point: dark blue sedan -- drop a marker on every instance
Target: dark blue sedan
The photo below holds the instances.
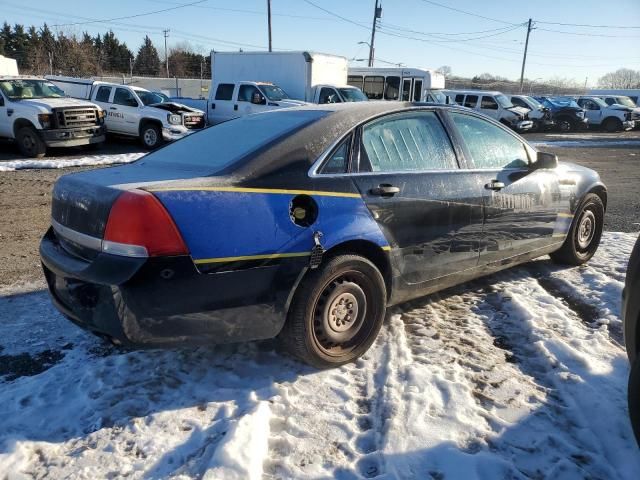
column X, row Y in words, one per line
column 306, row 224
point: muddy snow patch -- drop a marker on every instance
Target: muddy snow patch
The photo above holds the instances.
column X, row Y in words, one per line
column 86, row 161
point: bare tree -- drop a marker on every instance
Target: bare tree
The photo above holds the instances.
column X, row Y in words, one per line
column 621, row 78
column 445, row 70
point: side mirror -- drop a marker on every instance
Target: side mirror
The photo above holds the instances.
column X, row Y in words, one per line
column 545, row 160
column 258, row 99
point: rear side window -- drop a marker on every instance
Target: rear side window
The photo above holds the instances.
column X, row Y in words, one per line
column 225, row 91
column 392, row 88
column 103, row 94
column 374, row 87
column 488, row 103
column 471, row 101
column 459, row 99
column 339, row 160
column 490, row 146
column 407, row 142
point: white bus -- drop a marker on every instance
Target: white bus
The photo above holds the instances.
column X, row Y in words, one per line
column 398, row 83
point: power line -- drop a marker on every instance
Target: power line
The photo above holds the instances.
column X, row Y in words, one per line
column 130, row 16
column 447, row 40
column 586, row 25
column 582, row 34
column 466, row 13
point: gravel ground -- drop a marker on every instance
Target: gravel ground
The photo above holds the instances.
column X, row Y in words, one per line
column 25, row 195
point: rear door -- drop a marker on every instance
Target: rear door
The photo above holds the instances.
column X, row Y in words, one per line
column 221, row 108
column 409, row 178
column 521, row 203
column 102, row 98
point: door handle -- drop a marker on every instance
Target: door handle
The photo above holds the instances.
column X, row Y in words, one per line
column 112, row 108
column 494, row 185
column 213, row 106
column 384, row 190
column 235, row 107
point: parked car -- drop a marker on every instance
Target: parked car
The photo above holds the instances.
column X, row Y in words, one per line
column 566, row 113
column 625, row 102
column 612, row 118
column 632, row 93
column 36, row 115
column 134, row 111
column 309, row 227
column 631, row 320
column 539, row 114
column 495, row 105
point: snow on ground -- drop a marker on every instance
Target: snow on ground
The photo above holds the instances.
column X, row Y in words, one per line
column 88, row 160
column 518, row 375
column 585, row 143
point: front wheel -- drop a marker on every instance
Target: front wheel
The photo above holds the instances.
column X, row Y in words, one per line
column 336, row 313
column 612, row 125
column 566, row 125
column 584, row 234
column 30, row 143
column 151, row 136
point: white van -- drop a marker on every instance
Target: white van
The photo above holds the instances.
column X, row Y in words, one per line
column 395, row 83
column 495, row 105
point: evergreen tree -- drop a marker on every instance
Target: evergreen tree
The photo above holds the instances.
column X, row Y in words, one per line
column 147, row 61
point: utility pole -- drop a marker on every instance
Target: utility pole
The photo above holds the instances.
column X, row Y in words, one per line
column 130, row 67
column 50, row 63
column 377, row 13
column 269, row 21
column 524, row 58
column 166, row 55
column 586, row 79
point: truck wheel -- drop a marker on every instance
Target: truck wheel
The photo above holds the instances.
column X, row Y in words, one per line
column 634, row 398
column 336, row 313
column 566, row 125
column 151, row 136
column 612, row 125
column 584, row 234
column 30, row 143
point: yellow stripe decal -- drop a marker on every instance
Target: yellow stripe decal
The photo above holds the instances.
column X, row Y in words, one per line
column 255, row 190
column 267, row 256
column 387, row 248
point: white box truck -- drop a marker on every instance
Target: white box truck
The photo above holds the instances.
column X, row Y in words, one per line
column 36, row 115
column 251, row 82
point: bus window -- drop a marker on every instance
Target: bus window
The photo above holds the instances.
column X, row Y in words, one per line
column 374, row 87
column 406, row 90
column 355, row 81
column 392, row 88
column 417, row 90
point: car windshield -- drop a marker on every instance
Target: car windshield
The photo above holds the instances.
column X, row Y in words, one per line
column 234, row 139
column 353, row 95
column 535, row 103
column 503, row 101
column 273, row 92
column 438, row 97
column 149, row 98
column 20, row 89
column 626, row 101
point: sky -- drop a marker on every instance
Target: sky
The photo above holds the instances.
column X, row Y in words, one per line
column 470, row 36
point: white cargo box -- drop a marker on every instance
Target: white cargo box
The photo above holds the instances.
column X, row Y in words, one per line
column 8, row 66
column 73, row 87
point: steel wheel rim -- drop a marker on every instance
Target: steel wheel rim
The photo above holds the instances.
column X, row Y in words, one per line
column 586, row 229
column 28, row 142
column 341, row 297
column 150, row 137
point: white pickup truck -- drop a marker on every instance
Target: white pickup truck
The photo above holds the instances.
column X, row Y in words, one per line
column 35, row 114
column 135, row 111
column 610, row 117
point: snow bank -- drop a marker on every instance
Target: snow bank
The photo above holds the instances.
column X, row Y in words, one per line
column 89, row 160
column 585, row 143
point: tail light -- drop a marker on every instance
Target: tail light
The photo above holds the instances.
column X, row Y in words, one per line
column 139, row 226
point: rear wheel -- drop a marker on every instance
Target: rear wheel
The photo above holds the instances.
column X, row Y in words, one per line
column 30, row 143
column 584, row 234
column 612, row 125
column 151, row 136
column 336, row 313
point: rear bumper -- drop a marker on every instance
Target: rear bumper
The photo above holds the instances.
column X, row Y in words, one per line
column 71, row 137
column 166, row 301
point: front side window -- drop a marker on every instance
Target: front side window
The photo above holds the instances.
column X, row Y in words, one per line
column 124, row 97
column 488, row 103
column 374, row 87
column 417, row 90
column 328, row 95
column 471, row 101
column 225, row 91
column 518, row 102
column 355, row 81
column 103, row 94
column 392, row 88
column 407, row 142
column 489, row 145
column 246, row 92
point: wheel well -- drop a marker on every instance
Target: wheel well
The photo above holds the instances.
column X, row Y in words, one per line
column 612, row 119
column 602, row 193
column 371, row 252
column 146, row 121
column 19, row 123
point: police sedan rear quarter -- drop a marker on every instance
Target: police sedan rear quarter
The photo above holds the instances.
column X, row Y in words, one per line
column 306, row 224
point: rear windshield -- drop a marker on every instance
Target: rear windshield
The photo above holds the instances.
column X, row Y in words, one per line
column 221, row 145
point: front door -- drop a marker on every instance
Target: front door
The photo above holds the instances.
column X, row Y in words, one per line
column 125, row 110
column 592, row 110
column 250, row 100
column 409, row 178
column 5, row 119
column 521, row 203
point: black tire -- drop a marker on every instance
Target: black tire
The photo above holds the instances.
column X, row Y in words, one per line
column 566, row 124
column 151, row 136
column 319, row 329
column 93, row 147
column 30, row 143
column 634, row 398
column 584, row 234
column 612, row 125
